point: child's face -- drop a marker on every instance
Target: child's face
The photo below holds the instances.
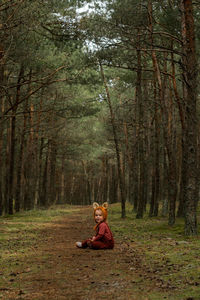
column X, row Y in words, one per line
column 98, row 216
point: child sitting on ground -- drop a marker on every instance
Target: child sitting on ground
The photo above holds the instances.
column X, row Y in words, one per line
column 103, row 238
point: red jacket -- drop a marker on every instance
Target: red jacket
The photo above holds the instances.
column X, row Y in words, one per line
column 104, row 233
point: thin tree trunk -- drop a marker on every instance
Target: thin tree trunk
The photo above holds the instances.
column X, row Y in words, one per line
column 52, row 175
column 140, row 208
column 130, row 190
column 181, row 105
column 112, row 185
column 12, row 144
column 45, row 180
column 120, row 168
column 20, row 167
column 40, row 170
column 11, row 163
column 88, row 186
column 166, row 187
column 157, row 78
column 172, row 193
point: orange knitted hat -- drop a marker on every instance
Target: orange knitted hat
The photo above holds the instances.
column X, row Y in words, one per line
column 103, row 208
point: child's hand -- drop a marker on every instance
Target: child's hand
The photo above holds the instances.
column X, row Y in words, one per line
column 93, row 238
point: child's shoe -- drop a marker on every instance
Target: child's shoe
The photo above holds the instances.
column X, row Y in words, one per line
column 79, row 244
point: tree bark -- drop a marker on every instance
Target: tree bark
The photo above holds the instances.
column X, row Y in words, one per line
column 12, row 143
column 190, row 132
column 20, row 166
column 120, row 168
column 157, row 97
column 1, row 160
column 141, row 151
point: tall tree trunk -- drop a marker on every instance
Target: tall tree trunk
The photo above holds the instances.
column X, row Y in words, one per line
column 135, row 169
column 166, row 187
column 30, row 165
column 157, row 97
column 166, row 115
column 190, row 132
column 37, row 152
column 120, row 168
column 181, row 109
column 6, row 183
column 172, row 180
column 181, row 208
column 154, row 204
column 2, row 107
column 141, row 202
column 20, row 166
column 129, row 155
column 12, row 144
column 1, row 160
column 11, row 162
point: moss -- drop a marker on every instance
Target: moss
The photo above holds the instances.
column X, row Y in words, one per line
column 166, row 251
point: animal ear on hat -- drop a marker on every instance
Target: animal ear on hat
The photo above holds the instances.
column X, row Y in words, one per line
column 105, row 205
column 95, row 205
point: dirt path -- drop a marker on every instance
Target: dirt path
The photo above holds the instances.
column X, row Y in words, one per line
column 56, row 269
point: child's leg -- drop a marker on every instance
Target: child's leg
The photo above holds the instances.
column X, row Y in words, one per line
column 101, row 245
column 85, row 243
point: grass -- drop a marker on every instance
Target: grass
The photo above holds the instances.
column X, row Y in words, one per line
column 19, row 236
column 23, row 228
column 173, row 257
column 165, row 251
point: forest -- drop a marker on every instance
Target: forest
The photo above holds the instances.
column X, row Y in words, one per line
column 100, row 102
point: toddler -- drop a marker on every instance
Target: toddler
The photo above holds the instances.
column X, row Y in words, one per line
column 103, row 238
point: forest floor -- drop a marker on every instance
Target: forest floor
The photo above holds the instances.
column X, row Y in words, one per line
column 39, row 261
